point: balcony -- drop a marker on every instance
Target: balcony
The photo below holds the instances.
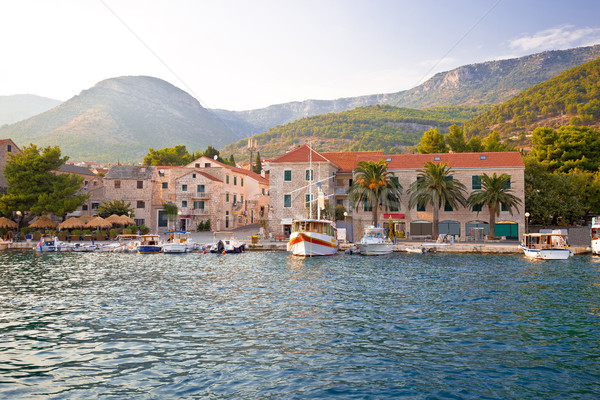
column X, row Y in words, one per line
column 201, row 195
column 341, row 191
column 199, row 211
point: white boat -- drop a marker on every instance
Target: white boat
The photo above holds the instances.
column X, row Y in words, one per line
column 47, row 244
column 149, row 244
column 226, row 242
column 313, row 237
column 179, row 242
column 546, row 246
column 374, row 242
column 595, row 235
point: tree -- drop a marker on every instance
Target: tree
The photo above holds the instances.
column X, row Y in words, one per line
column 34, row 186
column 435, row 185
column 177, row 155
column 456, row 139
column 374, row 185
column 117, row 207
column 494, row 194
column 257, row 168
column 474, row 144
column 171, row 211
column 432, row 142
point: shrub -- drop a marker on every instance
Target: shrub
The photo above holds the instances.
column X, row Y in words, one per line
column 114, row 233
column 143, row 229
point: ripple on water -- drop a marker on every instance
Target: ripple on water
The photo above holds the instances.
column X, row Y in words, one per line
column 266, row 325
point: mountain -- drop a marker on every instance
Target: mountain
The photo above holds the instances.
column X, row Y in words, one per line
column 572, row 97
column 377, row 127
column 120, row 118
column 21, row 106
column 490, row 82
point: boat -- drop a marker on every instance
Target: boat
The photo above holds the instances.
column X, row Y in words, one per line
column 546, row 246
column 313, row 237
column 47, row 244
column 226, row 242
column 179, row 242
column 374, row 242
column 149, row 244
column 596, row 235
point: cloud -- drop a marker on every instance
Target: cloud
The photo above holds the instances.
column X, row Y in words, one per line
column 562, row 37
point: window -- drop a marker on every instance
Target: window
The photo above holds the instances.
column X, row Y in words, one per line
column 309, row 175
column 241, row 198
column 140, row 204
column 200, row 188
column 95, row 205
column 234, row 198
column 226, row 197
column 367, row 206
column 421, row 207
column 287, row 175
column 242, row 182
column 478, row 207
column 263, row 191
column 197, row 165
column 183, row 203
column 235, row 180
column 207, row 165
column 504, row 208
column 476, row 182
column 395, row 181
column 227, row 179
column 198, row 205
column 307, row 198
column 184, row 188
column 117, row 184
column 436, row 158
column 140, row 184
column 193, row 176
column 395, row 206
column 287, row 200
column 507, row 186
column 165, row 185
column 84, row 207
column 448, row 207
column 139, row 221
column 482, row 157
column 9, row 148
column 163, row 221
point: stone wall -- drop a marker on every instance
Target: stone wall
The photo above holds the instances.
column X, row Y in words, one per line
column 578, row 235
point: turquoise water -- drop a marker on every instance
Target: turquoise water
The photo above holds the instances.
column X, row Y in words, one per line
column 265, row 326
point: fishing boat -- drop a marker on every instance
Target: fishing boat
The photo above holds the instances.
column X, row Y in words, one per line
column 179, row 242
column 374, row 242
column 149, row 244
column 313, row 237
column 47, row 244
column 596, row 235
column 546, row 246
column 226, row 242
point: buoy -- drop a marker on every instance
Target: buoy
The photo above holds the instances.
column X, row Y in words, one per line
column 223, row 252
column 204, row 252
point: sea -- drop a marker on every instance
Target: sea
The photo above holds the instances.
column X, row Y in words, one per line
column 266, row 325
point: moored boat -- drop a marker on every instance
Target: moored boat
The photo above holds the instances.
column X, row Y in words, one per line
column 546, row 246
column 226, row 242
column 179, row 242
column 374, row 242
column 149, row 244
column 596, row 235
column 313, row 237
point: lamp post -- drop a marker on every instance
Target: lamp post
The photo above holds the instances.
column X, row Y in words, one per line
column 346, row 224
column 527, row 222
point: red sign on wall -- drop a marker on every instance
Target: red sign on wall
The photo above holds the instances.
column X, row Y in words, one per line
column 393, row 216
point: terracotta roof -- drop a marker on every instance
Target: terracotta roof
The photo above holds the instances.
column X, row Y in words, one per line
column 347, row 160
column 253, row 175
column 301, row 154
column 505, row 159
column 130, row 172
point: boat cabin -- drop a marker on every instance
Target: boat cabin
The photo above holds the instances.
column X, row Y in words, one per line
column 544, row 240
column 149, row 240
column 317, row 226
column 371, row 232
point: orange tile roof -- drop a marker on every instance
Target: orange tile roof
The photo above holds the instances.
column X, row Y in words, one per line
column 301, row 154
column 347, row 160
column 253, row 175
column 506, row 159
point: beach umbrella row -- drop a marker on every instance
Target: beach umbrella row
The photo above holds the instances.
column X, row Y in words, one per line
column 96, row 222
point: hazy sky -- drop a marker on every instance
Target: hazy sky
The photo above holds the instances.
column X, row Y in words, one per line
column 246, row 54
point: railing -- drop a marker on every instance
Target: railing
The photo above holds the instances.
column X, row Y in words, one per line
column 201, row 195
column 341, row 190
column 199, row 211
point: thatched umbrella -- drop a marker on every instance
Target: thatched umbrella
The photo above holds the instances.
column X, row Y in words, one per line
column 115, row 220
column 99, row 223
column 7, row 223
column 86, row 218
column 72, row 223
column 43, row 222
column 126, row 220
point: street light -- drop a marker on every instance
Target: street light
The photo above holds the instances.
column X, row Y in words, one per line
column 527, row 222
column 346, row 224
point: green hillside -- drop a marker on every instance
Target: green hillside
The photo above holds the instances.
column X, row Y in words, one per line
column 377, row 127
column 573, row 97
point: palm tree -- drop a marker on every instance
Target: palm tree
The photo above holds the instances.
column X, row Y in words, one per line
column 435, row 186
column 494, row 193
column 374, row 185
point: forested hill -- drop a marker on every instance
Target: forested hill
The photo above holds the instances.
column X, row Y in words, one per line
column 572, row 97
column 489, row 82
column 377, row 127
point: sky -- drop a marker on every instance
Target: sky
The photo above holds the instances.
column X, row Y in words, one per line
column 242, row 54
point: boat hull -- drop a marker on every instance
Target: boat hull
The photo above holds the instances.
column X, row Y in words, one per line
column 149, row 249
column 174, row 248
column 375, row 249
column 596, row 246
column 548, row 254
column 309, row 244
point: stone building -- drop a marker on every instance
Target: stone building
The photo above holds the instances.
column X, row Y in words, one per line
column 290, row 188
column 7, row 147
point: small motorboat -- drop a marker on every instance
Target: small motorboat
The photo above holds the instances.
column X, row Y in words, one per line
column 226, row 242
column 374, row 242
column 149, row 244
column 179, row 242
column 546, row 246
